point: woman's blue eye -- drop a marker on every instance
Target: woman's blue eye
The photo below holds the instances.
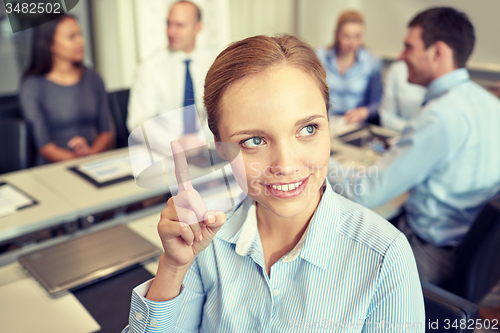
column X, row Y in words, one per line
column 253, row 142
column 308, row 130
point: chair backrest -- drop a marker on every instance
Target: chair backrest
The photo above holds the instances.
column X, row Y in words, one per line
column 8, row 99
column 478, row 257
column 15, row 148
column 10, row 107
column 119, row 104
column 449, row 310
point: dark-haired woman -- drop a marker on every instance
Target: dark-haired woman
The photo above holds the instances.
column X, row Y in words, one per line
column 64, row 101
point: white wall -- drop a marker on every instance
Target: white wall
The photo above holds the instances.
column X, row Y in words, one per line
column 115, row 42
column 266, row 17
column 386, row 24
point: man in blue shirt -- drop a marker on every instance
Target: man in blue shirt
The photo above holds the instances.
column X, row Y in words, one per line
column 447, row 157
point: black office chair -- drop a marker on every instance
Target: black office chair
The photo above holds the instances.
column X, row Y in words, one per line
column 119, row 104
column 449, row 310
column 10, row 107
column 478, row 257
column 8, row 99
column 15, row 149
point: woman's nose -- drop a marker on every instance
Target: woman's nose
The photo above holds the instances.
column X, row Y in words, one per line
column 283, row 161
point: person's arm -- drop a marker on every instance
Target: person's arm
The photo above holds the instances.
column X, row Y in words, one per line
column 101, row 143
column 398, row 303
column 53, row 153
column 388, row 111
column 371, row 101
column 374, row 90
column 182, row 312
column 421, row 148
column 186, row 228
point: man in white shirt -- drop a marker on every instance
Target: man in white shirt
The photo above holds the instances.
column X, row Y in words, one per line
column 401, row 99
column 173, row 78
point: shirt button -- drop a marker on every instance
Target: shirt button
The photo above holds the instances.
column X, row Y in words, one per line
column 153, row 323
column 276, row 292
column 138, row 316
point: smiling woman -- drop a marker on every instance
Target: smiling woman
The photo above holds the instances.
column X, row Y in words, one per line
column 293, row 251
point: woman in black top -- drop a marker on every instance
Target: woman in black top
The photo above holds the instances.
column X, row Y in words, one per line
column 65, row 102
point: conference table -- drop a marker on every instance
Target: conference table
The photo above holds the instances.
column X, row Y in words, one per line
column 49, row 209
column 82, row 194
column 65, row 197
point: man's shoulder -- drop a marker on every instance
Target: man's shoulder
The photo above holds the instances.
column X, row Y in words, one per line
column 207, row 53
column 473, row 92
column 463, row 98
column 158, row 58
column 362, row 225
column 397, row 68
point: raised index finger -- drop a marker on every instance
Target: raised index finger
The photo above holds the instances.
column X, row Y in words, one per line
column 181, row 167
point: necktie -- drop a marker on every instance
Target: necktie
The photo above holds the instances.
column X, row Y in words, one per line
column 189, row 112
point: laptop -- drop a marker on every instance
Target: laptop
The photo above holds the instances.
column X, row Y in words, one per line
column 88, row 259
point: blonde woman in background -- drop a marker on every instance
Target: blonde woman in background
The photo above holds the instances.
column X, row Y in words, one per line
column 353, row 73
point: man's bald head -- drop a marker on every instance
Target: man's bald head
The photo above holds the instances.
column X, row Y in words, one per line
column 193, row 6
column 183, row 25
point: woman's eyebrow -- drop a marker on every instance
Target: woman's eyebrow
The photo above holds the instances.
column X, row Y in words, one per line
column 308, row 119
column 260, row 132
column 248, row 132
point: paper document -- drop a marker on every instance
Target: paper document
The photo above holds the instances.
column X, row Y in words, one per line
column 107, row 169
column 26, row 308
column 12, row 199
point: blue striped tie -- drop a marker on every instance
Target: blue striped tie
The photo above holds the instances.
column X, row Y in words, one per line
column 189, row 112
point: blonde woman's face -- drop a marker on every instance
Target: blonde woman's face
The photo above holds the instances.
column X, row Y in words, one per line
column 350, row 37
column 279, row 120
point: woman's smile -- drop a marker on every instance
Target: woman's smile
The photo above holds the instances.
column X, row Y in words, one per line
column 287, row 190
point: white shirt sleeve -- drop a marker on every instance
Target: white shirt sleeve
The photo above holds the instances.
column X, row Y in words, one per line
column 143, row 104
column 389, row 115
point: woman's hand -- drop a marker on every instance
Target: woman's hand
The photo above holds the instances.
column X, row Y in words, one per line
column 186, row 227
column 80, row 146
column 357, row 115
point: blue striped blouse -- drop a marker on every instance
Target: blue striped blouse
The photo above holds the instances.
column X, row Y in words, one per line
column 360, row 85
column 351, row 271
